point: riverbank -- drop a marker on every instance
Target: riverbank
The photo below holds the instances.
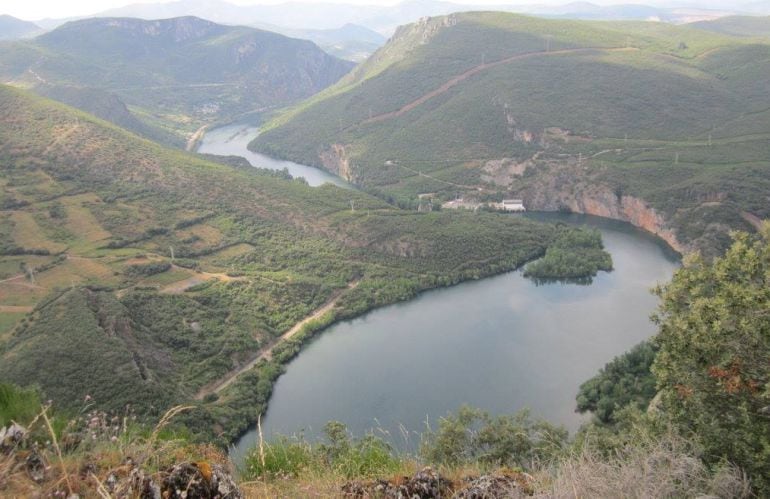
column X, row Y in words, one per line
column 441, row 347
column 227, row 141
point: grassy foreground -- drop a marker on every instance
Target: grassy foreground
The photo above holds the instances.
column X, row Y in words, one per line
column 95, row 454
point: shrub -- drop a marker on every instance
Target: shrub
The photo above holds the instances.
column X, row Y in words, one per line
column 473, row 436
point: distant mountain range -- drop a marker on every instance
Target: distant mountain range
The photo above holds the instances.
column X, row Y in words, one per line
column 174, row 74
column 385, row 19
column 12, row 28
column 351, row 41
column 354, row 32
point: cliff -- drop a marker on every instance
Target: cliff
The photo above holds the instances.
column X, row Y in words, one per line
column 570, row 188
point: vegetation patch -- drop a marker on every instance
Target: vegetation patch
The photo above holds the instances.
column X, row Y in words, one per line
column 574, row 254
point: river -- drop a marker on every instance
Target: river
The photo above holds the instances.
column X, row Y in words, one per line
column 501, row 344
column 234, row 139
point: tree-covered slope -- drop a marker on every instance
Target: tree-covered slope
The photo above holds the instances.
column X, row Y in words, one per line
column 182, row 72
column 657, row 124
column 135, row 272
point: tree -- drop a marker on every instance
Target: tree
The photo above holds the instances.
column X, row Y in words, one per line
column 713, row 364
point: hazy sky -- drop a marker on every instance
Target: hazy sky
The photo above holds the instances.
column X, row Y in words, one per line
column 39, row 9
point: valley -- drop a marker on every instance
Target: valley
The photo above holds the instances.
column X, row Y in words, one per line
column 164, row 79
column 545, row 115
column 418, row 250
column 195, row 274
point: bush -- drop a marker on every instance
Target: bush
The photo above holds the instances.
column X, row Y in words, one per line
column 712, row 367
column 147, row 269
column 17, row 404
column 473, row 436
column 625, row 380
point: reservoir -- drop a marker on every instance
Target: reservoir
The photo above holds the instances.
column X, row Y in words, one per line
column 502, row 344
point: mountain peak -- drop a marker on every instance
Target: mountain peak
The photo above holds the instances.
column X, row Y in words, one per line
column 178, row 29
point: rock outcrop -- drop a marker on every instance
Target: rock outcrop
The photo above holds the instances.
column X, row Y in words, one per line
column 563, row 188
column 335, row 159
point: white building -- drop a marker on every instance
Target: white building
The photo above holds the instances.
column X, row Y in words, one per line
column 513, row 205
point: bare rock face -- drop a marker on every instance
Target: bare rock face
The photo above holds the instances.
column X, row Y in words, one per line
column 11, row 437
column 495, row 485
column 335, row 159
column 425, row 484
column 502, row 172
column 203, row 480
column 565, row 188
column 428, row 484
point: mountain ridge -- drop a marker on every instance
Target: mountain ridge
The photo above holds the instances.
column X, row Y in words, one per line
column 199, row 71
column 543, row 112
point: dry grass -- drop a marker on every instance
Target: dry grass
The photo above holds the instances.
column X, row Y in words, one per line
column 81, row 221
column 208, row 235
column 28, row 234
column 232, row 251
column 657, row 468
column 75, row 271
column 21, row 292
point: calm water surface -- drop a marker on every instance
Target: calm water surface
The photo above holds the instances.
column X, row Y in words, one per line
column 233, row 139
column 501, row 344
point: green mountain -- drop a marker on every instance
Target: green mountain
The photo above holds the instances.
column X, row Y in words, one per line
column 660, row 125
column 742, row 26
column 12, row 28
column 138, row 274
column 177, row 73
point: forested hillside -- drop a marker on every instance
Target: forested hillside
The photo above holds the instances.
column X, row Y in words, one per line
column 137, row 274
column 660, row 125
column 177, row 73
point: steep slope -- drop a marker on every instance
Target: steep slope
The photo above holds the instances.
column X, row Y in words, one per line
column 138, row 273
column 660, row 125
column 12, row 28
column 109, row 107
column 181, row 72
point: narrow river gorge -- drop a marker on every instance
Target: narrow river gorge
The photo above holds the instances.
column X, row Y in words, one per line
column 502, row 344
